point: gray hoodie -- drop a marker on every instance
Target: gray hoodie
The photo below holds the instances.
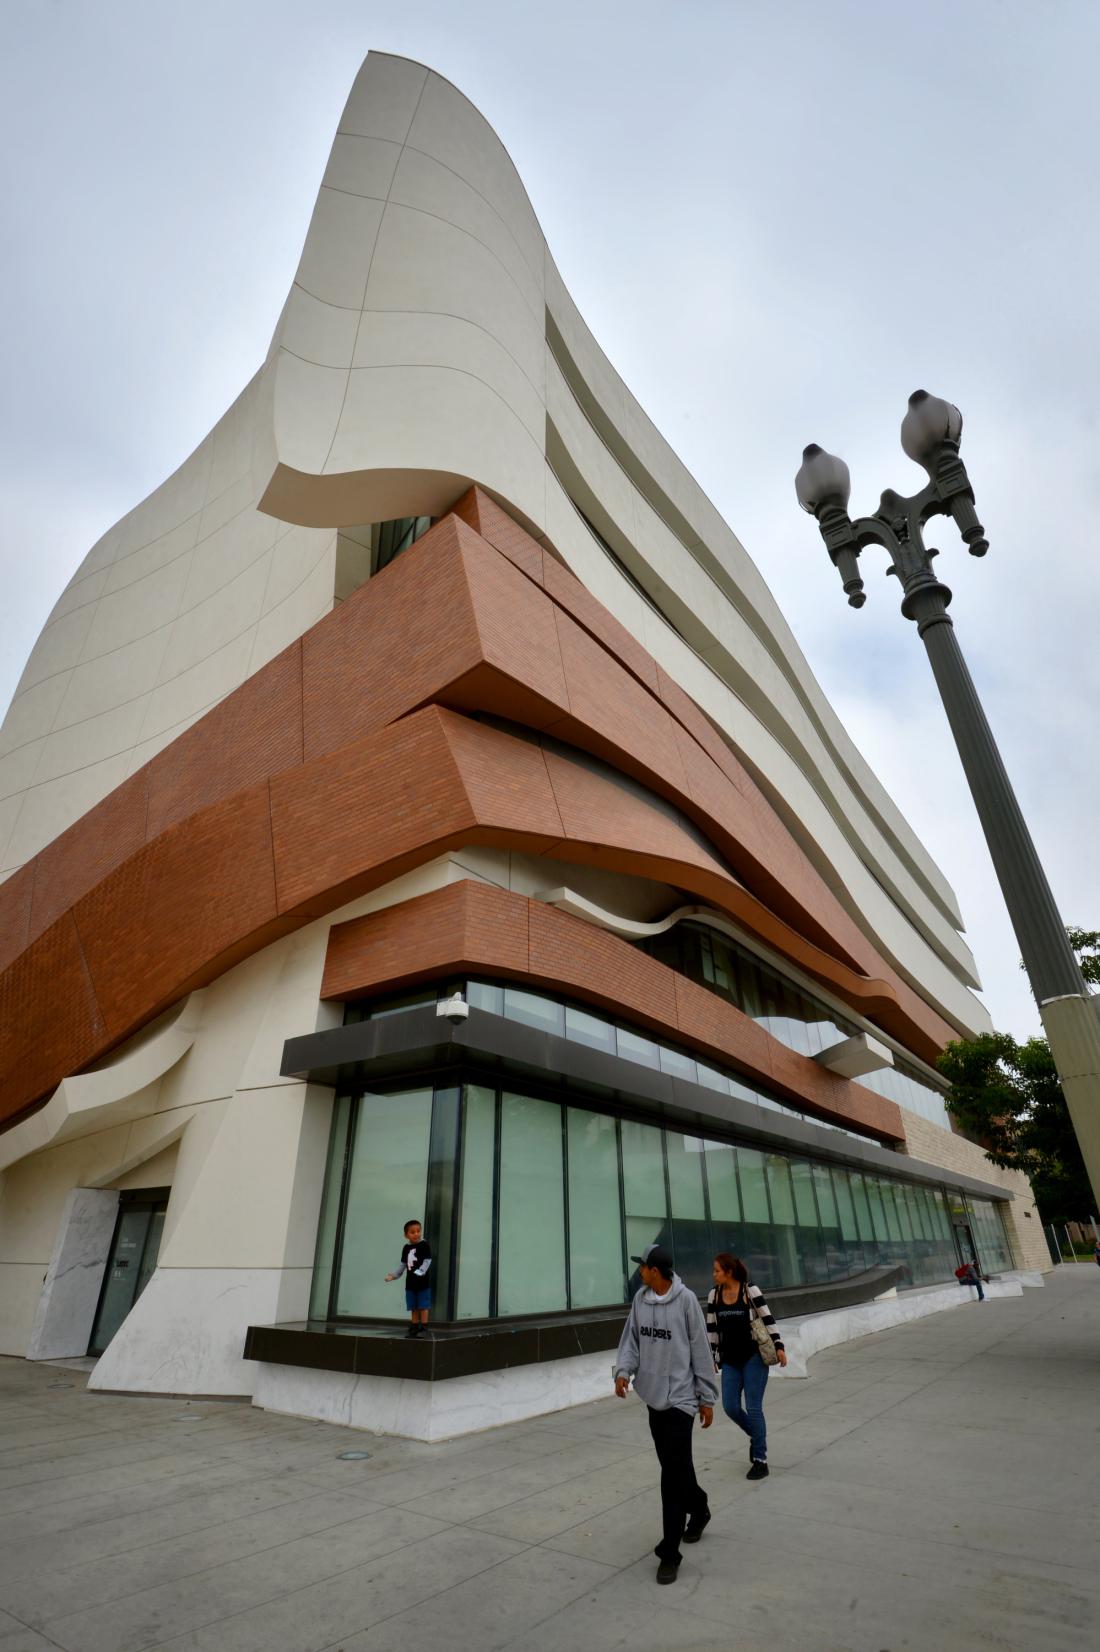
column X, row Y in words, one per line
column 664, row 1347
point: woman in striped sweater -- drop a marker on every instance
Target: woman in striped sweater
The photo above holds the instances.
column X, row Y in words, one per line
column 736, row 1355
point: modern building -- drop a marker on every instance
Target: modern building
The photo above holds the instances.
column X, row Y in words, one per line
column 432, row 675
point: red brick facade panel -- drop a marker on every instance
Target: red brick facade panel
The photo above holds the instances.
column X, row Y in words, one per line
column 486, row 517
column 172, row 910
column 476, row 927
column 16, row 894
column 391, row 646
column 319, row 778
column 253, row 733
column 91, row 848
column 49, row 1019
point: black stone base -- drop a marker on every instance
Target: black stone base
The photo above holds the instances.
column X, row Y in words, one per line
column 385, row 1350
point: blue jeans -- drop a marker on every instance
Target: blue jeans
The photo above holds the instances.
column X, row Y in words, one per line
column 977, row 1284
column 752, row 1379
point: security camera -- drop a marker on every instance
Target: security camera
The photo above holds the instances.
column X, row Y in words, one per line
column 455, row 1009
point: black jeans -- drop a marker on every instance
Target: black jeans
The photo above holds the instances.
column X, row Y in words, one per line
column 681, row 1493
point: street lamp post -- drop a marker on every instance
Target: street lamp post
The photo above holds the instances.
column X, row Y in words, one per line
column 930, row 435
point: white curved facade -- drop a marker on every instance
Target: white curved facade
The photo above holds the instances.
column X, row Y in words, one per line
column 428, row 342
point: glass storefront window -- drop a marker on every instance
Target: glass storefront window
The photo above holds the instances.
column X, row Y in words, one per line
column 534, row 1205
column 725, row 1196
column 685, row 1176
column 534, row 1010
column 677, row 1064
column 531, row 1246
column 754, row 1192
column 474, row 1264
column 329, row 1225
column 643, row 1187
column 596, row 1261
column 386, row 1184
column 592, row 1030
column 633, row 1047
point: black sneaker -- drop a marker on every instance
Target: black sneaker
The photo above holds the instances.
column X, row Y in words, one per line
column 696, row 1525
column 413, row 1331
column 758, row 1471
column 667, row 1571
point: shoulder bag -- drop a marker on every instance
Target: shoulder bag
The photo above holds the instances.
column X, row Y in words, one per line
column 760, row 1334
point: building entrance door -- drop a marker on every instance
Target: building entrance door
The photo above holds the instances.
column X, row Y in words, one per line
column 130, row 1263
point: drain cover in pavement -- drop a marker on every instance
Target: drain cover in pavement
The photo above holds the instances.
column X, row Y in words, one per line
column 351, row 1456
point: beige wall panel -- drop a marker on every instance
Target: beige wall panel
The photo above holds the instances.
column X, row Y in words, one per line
column 98, row 686
column 128, row 615
column 78, row 593
column 189, row 693
column 396, row 414
column 425, row 264
column 58, row 648
column 250, row 1142
column 339, row 247
column 205, row 629
column 50, row 809
column 362, row 166
column 384, row 97
column 10, row 810
column 310, row 600
column 308, row 403
column 298, row 551
column 448, row 127
column 160, row 553
column 393, row 339
column 224, row 554
column 20, row 1289
column 18, row 767
column 92, row 740
column 32, row 713
column 433, row 187
column 155, row 1172
column 321, row 333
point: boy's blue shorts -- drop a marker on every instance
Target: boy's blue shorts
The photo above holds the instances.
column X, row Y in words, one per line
column 418, row 1299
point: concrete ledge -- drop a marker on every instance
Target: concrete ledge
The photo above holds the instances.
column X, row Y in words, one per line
column 433, row 1410
column 810, row 1335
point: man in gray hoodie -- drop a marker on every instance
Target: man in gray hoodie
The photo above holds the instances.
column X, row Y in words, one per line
column 664, row 1347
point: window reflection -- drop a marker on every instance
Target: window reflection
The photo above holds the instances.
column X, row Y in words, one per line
column 535, row 1205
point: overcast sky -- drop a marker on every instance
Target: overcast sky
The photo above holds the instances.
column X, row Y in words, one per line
column 778, row 221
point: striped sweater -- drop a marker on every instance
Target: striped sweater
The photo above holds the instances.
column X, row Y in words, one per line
column 762, row 1309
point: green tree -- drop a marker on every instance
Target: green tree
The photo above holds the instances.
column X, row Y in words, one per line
column 1086, row 944
column 1007, row 1097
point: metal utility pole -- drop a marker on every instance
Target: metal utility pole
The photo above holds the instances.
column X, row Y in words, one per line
column 930, row 434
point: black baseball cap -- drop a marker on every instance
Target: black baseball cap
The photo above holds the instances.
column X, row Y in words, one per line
column 656, row 1256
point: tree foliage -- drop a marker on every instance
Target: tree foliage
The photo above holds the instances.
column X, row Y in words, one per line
column 1086, row 944
column 1007, row 1097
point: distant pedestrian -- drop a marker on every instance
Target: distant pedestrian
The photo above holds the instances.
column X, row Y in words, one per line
column 969, row 1274
column 416, row 1259
column 730, row 1309
column 1096, row 1251
column 664, row 1348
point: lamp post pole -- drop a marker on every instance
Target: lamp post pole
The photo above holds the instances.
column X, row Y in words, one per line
column 930, row 434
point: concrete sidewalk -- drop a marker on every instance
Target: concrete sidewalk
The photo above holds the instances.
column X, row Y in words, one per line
column 932, row 1487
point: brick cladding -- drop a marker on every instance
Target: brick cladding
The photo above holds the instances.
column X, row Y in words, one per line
column 475, row 926
column 925, row 1140
column 320, row 777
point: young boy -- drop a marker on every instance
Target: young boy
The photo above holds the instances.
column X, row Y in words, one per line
column 416, row 1259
